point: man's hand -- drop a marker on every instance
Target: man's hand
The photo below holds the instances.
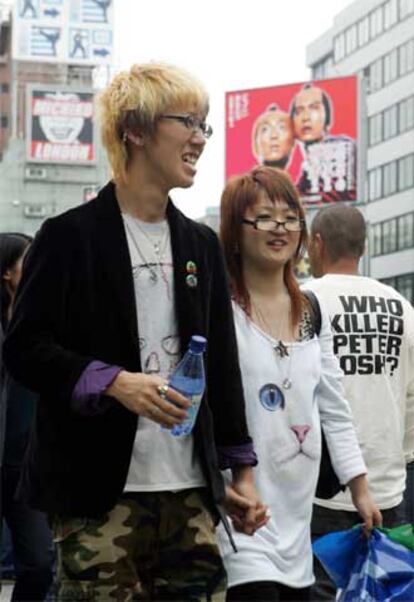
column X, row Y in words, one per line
column 363, row 502
column 243, row 504
column 140, row 394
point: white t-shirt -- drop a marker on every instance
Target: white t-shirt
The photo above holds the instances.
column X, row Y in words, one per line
column 373, row 329
column 159, row 462
column 285, row 427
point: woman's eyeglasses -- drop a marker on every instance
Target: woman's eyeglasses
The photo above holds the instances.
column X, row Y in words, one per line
column 293, row 224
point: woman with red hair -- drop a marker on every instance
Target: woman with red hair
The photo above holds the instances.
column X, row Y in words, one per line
column 292, row 385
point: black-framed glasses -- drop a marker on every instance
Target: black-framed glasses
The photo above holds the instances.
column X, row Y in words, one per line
column 265, row 224
column 193, row 123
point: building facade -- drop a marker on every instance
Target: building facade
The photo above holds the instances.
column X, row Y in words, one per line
column 374, row 39
column 34, row 187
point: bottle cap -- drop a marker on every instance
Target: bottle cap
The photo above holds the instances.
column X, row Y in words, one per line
column 198, row 344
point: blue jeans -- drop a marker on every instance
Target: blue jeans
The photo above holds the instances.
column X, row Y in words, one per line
column 32, row 542
column 325, row 521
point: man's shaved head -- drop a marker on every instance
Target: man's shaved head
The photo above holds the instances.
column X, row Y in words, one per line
column 342, row 229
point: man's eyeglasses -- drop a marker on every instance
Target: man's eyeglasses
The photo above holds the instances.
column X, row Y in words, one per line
column 192, row 123
column 293, row 224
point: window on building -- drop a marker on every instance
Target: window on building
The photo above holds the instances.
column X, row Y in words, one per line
column 406, row 8
column 363, row 31
column 390, row 13
column 391, row 66
column 390, row 282
column 351, row 39
column 390, row 178
column 322, row 68
column 406, row 231
column 4, row 87
column 405, row 286
column 406, row 114
column 375, row 76
column 375, row 129
column 375, row 184
column 406, row 172
column 4, row 121
column 339, row 47
column 389, row 236
column 390, row 122
column 406, row 58
column 376, row 239
column 376, row 22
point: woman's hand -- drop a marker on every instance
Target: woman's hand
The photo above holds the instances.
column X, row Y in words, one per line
column 140, row 393
column 364, row 503
column 246, row 510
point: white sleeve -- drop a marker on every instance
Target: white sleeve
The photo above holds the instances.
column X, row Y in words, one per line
column 335, row 412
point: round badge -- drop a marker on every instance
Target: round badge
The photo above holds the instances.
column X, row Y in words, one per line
column 191, row 267
column 271, row 397
column 191, row 281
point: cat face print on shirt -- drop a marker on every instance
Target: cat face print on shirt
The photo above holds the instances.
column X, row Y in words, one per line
column 291, row 426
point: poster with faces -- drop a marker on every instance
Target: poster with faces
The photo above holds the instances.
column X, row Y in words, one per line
column 67, row 31
column 308, row 129
column 60, row 127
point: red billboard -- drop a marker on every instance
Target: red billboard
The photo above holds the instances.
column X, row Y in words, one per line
column 60, row 126
column 309, row 129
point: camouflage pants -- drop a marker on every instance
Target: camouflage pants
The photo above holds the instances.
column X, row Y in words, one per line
column 150, row 546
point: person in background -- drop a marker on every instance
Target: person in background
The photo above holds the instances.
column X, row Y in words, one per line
column 373, row 332
column 113, row 291
column 30, row 533
column 272, row 138
column 292, row 385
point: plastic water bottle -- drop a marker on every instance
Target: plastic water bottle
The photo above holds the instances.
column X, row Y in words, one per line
column 189, row 379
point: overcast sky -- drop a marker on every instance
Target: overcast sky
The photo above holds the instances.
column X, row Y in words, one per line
column 229, row 45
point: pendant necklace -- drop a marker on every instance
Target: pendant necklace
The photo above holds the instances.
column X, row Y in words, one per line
column 281, row 349
column 159, row 247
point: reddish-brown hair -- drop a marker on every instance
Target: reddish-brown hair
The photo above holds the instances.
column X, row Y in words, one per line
column 241, row 193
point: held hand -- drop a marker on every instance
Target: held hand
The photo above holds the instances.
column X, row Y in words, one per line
column 364, row 503
column 243, row 504
column 140, row 394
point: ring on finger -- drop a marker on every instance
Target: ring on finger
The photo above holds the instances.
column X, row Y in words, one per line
column 162, row 390
column 154, row 411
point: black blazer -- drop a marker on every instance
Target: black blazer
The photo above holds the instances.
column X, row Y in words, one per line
column 75, row 304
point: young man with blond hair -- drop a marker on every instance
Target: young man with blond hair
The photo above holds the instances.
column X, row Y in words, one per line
column 113, row 291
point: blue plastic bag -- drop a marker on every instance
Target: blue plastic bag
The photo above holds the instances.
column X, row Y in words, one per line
column 374, row 570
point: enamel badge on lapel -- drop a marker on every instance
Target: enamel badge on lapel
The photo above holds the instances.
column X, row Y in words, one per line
column 191, row 278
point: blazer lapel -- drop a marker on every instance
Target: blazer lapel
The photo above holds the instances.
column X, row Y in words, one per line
column 187, row 298
column 115, row 255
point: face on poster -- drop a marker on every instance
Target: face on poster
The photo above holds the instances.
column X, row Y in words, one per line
column 60, row 126
column 308, row 129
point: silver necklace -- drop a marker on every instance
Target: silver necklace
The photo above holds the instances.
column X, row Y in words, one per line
column 159, row 247
column 281, row 349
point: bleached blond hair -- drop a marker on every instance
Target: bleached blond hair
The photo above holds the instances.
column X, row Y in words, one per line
column 134, row 100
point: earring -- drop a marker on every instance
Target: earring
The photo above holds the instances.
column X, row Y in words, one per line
column 124, row 137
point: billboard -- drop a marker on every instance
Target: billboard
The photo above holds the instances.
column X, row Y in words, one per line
column 60, row 125
column 308, row 129
column 63, row 31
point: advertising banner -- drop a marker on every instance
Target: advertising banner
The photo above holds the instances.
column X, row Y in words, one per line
column 308, row 129
column 65, row 31
column 60, row 127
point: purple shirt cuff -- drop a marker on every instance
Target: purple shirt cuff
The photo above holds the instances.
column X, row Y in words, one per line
column 237, row 455
column 87, row 396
